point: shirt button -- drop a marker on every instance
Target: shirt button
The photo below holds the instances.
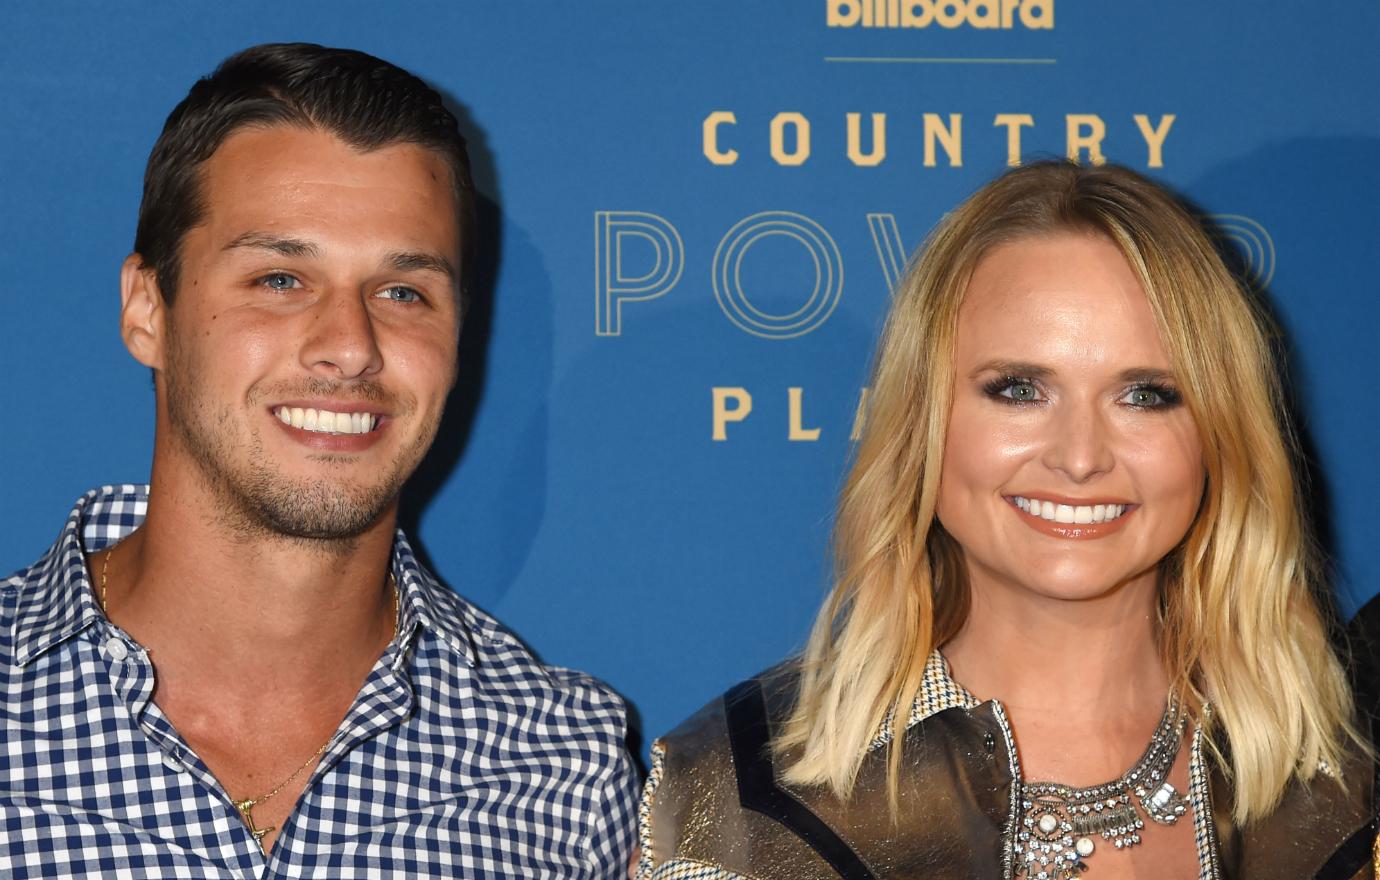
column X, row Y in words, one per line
column 116, row 650
column 989, row 742
column 173, row 764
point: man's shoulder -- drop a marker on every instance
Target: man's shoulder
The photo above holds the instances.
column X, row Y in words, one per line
column 10, row 589
column 14, row 583
column 508, row 673
column 15, row 580
column 27, row 603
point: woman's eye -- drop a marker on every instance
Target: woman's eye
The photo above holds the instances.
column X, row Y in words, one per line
column 1012, row 389
column 1022, row 391
column 1151, row 397
column 279, row 281
column 400, row 294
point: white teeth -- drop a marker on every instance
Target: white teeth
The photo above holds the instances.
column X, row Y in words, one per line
column 324, row 421
column 1069, row 513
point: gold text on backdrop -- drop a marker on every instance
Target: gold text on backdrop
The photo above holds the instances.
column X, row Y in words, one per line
column 790, row 143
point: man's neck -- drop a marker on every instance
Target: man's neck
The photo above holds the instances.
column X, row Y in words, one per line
column 248, row 613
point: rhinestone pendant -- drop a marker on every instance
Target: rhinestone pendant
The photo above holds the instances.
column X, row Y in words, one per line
column 1165, row 805
column 1059, row 824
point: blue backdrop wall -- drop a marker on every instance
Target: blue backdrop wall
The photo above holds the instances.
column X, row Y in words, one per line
column 683, row 197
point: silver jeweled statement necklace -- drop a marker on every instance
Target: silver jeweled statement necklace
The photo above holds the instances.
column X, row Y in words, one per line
column 1058, row 822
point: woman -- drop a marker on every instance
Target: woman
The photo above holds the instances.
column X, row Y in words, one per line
column 1074, row 626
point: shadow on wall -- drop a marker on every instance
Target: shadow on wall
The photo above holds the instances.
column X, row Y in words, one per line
column 463, row 403
column 1325, row 316
column 1328, row 309
column 490, row 451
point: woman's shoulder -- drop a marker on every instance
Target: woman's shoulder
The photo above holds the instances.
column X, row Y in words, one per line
column 702, row 746
column 716, row 808
column 703, row 738
column 1322, row 827
column 692, row 822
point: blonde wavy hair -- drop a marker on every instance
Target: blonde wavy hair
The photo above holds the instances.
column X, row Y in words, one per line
column 1240, row 620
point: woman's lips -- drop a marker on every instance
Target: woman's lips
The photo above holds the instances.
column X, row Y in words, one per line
column 1113, row 517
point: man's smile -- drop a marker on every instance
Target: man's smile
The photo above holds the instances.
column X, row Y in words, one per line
column 327, row 421
column 332, row 425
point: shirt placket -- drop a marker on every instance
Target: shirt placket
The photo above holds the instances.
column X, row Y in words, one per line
column 383, row 702
column 132, row 676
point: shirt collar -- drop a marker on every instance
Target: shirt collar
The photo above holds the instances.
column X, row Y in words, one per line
column 938, row 692
column 425, row 602
column 56, row 600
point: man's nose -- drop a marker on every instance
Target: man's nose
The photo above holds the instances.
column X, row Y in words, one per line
column 341, row 341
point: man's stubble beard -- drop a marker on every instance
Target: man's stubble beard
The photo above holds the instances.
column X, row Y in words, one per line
column 256, row 499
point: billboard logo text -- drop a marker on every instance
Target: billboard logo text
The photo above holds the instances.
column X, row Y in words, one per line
column 1036, row 15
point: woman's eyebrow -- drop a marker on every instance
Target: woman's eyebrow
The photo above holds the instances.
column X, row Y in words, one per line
column 1029, row 370
column 1014, row 368
column 1146, row 374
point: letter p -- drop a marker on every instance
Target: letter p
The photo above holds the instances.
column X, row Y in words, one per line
column 723, row 414
column 617, row 235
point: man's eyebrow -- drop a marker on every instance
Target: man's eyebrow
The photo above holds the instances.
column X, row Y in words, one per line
column 415, row 261
column 287, row 247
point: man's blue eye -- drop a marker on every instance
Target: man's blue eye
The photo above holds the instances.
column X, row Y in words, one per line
column 400, row 294
column 279, row 281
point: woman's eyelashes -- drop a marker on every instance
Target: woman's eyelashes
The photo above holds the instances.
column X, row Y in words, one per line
column 1152, row 395
column 1014, row 390
column 1026, row 391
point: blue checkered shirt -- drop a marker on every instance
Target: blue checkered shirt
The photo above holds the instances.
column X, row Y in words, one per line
column 462, row 756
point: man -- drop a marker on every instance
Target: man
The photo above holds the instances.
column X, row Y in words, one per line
column 242, row 671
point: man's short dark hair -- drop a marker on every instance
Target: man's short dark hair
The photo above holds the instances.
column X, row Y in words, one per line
column 365, row 101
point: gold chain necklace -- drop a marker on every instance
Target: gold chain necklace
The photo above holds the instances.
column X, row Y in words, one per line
column 246, row 806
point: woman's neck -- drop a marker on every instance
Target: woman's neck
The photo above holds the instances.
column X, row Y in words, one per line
column 1082, row 681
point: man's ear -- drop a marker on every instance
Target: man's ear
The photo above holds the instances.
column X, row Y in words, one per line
column 142, row 312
